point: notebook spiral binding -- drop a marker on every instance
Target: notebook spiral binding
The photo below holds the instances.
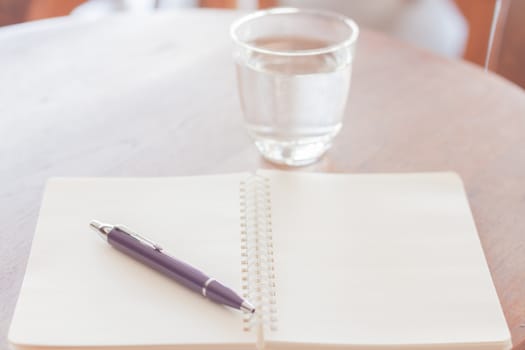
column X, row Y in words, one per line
column 257, row 265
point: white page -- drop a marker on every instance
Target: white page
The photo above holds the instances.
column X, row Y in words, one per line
column 79, row 291
column 380, row 260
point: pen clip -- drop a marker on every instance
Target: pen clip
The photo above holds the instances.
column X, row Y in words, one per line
column 140, row 238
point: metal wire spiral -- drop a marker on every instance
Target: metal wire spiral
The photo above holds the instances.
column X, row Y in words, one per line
column 258, row 273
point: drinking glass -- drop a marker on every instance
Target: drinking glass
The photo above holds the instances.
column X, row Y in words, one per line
column 293, row 70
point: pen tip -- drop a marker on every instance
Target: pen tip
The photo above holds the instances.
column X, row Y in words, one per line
column 247, row 307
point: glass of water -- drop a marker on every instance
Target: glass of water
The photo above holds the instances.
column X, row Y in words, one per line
column 293, row 71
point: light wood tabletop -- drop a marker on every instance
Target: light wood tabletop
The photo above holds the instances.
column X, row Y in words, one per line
column 155, row 95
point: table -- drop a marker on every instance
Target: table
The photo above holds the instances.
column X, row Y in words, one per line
column 155, row 95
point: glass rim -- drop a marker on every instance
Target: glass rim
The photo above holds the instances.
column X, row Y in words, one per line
column 292, row 10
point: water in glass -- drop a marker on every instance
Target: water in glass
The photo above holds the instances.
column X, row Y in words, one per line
column 293, row 105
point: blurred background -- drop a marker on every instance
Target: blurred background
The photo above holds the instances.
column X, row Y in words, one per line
column 469, row 29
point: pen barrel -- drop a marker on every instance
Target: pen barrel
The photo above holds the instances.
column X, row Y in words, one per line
column 221, row 294
column 178, row 270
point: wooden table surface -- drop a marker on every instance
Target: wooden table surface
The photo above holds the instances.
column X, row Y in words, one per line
column 155, row 95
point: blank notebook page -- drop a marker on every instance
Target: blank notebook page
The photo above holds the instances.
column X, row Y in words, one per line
column 80, row 291
column 380, row 260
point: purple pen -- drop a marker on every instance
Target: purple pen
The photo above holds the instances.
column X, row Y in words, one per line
column 152, row 255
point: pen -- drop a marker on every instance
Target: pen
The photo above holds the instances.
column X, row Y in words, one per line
column 152, row 255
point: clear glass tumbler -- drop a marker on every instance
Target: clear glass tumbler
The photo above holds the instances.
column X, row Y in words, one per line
column 293, row 71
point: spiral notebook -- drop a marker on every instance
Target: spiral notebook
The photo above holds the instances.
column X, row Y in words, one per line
column 361, row 261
